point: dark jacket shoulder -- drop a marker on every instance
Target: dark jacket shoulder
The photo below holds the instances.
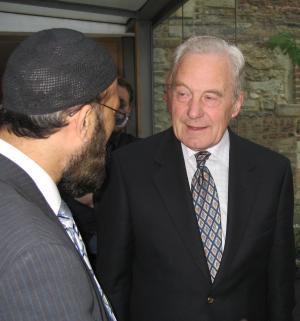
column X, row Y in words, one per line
column 253, row 151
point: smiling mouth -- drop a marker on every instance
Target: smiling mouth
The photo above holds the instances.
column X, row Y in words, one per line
column 196, row 128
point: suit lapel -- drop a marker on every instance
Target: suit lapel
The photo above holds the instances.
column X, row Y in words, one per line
column 173, row 186
column 241, row 192
column 15, row 176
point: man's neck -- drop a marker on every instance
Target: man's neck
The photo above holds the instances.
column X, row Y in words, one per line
column 39, row 150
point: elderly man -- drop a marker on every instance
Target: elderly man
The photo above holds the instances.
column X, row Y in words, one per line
column 54, row 124
column 197, row 221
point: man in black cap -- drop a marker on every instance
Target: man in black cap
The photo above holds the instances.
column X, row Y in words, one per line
column 59, row 103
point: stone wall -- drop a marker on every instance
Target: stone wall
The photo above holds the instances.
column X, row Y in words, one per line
column 270, row 115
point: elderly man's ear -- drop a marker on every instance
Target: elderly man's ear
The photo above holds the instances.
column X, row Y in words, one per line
column 238, row 105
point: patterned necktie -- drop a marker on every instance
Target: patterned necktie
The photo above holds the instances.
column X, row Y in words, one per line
column 207, row 208
column 65, row 217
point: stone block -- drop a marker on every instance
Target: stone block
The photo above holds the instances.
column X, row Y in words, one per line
column 251, row 105
column 271, row 85
column 288, row 110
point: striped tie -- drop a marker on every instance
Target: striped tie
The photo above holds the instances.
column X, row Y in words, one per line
column 65, row 217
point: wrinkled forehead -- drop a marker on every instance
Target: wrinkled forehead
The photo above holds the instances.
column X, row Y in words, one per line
column 203, row 68
column 219, row 60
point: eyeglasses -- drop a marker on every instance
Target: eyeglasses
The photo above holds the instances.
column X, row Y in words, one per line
column 121, row 117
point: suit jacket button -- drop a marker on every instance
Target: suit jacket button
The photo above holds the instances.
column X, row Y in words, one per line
column 210, row 300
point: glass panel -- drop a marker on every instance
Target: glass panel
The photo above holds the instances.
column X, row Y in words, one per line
column 166, row 37
column 270, row 115
column 271, row 111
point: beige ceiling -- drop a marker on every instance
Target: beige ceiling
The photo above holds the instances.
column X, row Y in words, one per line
column 106, row 11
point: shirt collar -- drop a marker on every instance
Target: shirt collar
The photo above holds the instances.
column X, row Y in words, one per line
column 41, row 178
column 219, row 152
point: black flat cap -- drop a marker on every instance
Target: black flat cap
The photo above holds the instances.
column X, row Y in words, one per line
column 53, row 70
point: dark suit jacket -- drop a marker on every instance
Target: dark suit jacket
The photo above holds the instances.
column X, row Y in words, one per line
column 42, row 276
column 152, row 263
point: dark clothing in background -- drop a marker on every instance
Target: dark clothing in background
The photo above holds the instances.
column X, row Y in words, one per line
column 116, row 141
column 84, row 217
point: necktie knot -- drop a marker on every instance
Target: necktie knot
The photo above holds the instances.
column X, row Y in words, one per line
column 201, row 158
column 64, row 211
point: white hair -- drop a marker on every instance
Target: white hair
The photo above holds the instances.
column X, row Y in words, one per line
column 213, row 45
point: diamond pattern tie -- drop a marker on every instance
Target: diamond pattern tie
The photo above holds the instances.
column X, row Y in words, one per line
column 65, row 217
column 207, row 208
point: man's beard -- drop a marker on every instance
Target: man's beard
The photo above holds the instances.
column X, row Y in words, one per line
column 85, row 172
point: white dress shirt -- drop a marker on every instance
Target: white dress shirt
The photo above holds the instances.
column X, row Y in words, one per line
column 218, row 165
column 41, row 178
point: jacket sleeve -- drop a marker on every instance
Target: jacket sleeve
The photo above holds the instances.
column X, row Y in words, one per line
column 115, row 243
column 281, row 298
